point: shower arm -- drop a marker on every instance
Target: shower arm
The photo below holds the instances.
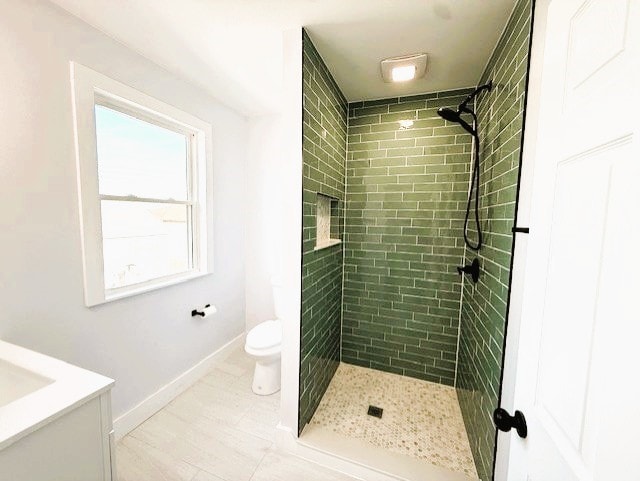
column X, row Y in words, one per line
column 463, row 106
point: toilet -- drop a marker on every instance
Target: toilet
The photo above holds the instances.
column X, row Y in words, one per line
column 264, row 345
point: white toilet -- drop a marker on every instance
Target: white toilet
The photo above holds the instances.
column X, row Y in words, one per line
column 264, row 345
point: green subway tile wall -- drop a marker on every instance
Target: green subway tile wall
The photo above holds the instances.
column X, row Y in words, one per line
column 484, row 305
column 324, row 154
column 405, row 200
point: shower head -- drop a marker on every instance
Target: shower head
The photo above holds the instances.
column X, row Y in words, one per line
column 449, row 114
column 454, row 116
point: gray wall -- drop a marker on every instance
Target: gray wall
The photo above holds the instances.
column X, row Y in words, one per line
column 143, row 342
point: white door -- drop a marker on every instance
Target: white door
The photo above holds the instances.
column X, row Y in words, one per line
column 578, row 361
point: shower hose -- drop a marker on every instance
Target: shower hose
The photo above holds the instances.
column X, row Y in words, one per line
column 475, row 187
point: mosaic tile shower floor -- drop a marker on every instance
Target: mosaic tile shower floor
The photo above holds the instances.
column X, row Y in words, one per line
column 420, row 419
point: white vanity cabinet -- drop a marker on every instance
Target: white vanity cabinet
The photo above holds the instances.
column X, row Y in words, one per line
column 55, row 420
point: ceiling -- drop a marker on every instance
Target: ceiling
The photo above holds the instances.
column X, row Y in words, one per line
column 233, row 48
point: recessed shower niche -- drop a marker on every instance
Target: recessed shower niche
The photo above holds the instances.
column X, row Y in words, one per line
column 327, row 219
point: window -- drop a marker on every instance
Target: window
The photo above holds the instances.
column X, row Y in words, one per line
column 142, row 169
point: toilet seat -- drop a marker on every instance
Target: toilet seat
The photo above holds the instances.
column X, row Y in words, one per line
column 265, row 335
column 265, row 338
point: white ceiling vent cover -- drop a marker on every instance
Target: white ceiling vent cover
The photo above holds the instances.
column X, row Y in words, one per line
column 405, row 68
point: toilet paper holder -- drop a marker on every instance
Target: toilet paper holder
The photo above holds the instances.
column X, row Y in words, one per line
column 196, row 312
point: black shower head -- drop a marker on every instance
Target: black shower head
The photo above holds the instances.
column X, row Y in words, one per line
column 454, row 116
column 449, row 114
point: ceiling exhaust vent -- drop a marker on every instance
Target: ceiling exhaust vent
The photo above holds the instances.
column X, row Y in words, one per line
column 405, row 68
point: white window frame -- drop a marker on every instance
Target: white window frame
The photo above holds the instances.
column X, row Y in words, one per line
column 90, row 88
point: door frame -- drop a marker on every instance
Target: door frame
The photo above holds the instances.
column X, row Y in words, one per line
column 519, row 251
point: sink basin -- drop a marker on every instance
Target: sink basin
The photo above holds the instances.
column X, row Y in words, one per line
column 17, row 382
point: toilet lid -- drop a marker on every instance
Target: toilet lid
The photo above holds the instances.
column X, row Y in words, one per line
column 265, row 335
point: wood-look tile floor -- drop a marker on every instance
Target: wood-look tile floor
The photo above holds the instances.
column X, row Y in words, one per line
column 216, row 430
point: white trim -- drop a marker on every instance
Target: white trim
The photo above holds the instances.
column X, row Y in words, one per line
column 151, row 285
column 328, row 243
column 135, row 198
column 137, row 105
column 128, row 421
column 531, row 128
column 90, row 88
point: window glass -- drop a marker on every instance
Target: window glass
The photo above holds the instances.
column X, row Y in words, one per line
column 144, row 241
column 139, row 158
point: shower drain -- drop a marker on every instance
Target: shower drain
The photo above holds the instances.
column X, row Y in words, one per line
column 375, row 411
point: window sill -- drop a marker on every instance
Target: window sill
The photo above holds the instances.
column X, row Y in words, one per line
column 329, row 243
column 136, row 289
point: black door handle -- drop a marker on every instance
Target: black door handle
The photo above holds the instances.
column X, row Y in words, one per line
column 473, row 270
column 505, row 422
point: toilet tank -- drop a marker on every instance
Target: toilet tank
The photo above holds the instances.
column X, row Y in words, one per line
column 278, row 296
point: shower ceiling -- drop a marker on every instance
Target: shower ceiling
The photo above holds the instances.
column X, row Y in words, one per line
column 233, row 48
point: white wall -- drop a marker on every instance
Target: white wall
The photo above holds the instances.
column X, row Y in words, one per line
column 291, row 214
column 274, row 222
column 142, row 342
column 520, row 253
column 264, row 235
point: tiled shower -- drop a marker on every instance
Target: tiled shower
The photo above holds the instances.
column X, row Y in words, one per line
column 406, row 194
column 389, row 297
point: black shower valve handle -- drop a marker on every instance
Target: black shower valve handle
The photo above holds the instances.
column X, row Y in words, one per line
column 473, row 270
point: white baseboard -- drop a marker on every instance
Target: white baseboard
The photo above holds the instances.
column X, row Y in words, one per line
column 163, row 396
